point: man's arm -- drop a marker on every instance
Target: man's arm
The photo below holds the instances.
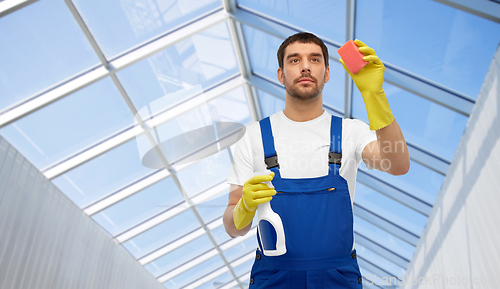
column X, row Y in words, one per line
column 235, row 194
column 389, row 153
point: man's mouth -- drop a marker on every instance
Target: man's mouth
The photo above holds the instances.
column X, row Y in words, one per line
column 306, row 80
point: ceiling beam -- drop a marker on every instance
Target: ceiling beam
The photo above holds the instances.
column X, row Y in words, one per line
column 243, row 59
column 179, row 242
column 9, row 6
column 381, row 250
column 349, row 34
column 488, row 9
column 373, row 268
column 171, row 212
column 204, row 257
column 394, row 193
column 385, row 225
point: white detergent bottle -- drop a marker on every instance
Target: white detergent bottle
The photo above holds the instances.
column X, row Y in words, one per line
column 266, row 213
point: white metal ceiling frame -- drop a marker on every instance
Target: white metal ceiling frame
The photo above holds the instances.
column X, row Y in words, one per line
column 242, row 279
column 487, row 9
column 161, row 217
column 252, row 100
column 175, row 244
column 386, row 225
column 99, row 150
column 243, row 59
column 86, row 78
column 96, row 149
column 381, row 250
column 9, row 6
column 173, row 174
column 193, row 262
column 393, row 192
column 220, row 271
column 205, row 256
column 350, row 34
column 374, row 269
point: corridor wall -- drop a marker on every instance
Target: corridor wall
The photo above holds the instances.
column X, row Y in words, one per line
column 459, row 246
column 46, row 241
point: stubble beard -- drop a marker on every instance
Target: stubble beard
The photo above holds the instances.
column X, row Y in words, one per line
column 298, row 91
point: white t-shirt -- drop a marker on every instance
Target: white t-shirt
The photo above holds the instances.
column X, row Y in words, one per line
column 302, row 149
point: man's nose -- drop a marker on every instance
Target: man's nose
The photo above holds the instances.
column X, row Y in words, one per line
column 305, row 68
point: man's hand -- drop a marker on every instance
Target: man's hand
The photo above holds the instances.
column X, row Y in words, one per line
column 369, row 81
column 255, row 192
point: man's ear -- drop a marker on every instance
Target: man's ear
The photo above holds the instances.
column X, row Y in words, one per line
column 327, row 74
column 280, row 76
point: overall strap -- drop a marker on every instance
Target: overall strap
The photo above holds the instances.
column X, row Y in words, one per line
column 270, row 156
column 335, row 155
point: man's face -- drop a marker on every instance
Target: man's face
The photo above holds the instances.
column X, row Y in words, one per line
column 304, row 73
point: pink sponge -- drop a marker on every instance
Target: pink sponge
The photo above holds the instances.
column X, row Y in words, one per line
column 351, row 56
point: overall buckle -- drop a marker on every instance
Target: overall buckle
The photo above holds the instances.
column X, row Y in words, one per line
column 335, row 158
column 272, row 162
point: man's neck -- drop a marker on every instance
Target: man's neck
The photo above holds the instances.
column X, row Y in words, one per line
column 299, row 110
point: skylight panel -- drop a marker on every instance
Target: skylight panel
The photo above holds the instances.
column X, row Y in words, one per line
column 42, row 45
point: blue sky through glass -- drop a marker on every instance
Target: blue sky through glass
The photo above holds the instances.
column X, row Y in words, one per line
column 103, row 175
column 430, row 39
column 194, row 273
column 203, row 59
column 143, row 205
column 179, row 256
column 389, row 209
column 244, row 248
column 213, row 208
column 412, row 181
column 162, row 234
column 383, row 238
column 379, row 261
column 423, row 122
column 41, row 46
column 269, row 103
column 70, row 124
column 325, row 18
column 136, row 21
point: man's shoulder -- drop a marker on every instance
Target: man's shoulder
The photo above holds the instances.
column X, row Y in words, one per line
column 354, row 124
column 255, row 125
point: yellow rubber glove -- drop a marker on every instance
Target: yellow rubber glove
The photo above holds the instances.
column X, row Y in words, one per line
column 369, row 82
column 255, row 193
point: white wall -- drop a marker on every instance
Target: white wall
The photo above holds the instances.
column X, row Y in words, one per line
column 47, row 242
column 460, row 246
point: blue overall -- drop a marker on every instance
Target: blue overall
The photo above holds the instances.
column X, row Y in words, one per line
column 318, row 223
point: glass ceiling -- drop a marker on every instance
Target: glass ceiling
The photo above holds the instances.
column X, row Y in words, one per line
column 74, row 74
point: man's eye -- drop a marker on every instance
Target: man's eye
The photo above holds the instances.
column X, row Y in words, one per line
column 315, row 60
column 294, row 61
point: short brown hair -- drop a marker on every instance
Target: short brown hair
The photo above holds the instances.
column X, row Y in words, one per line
column 302, row 37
